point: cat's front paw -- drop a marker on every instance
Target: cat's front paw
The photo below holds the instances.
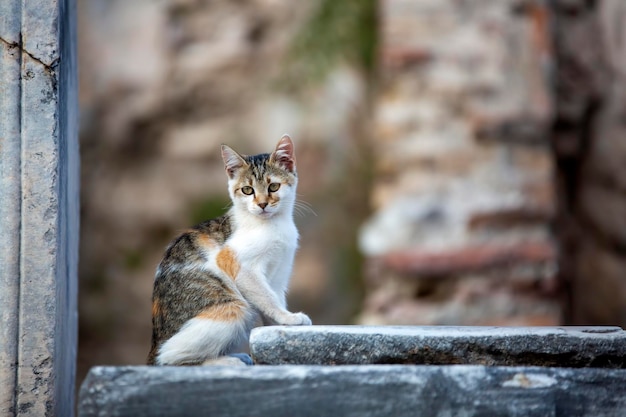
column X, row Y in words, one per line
column 296, row 319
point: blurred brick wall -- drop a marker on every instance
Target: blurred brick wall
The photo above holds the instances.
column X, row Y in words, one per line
column 464, row 190
column 500, row 194
column 590, row 147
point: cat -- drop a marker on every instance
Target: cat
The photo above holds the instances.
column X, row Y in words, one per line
column 222, row 277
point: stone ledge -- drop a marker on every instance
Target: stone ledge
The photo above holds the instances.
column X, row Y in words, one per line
column 352, row 391
column 441, row 345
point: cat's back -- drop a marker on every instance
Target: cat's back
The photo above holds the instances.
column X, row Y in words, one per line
column 192, row 248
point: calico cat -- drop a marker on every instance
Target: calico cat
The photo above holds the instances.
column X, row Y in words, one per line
column 220, row 277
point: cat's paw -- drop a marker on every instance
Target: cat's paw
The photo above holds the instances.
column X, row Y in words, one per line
column 243, row 357
column 297, row 319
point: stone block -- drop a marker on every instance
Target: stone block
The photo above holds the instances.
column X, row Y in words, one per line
column 440, row 345
column 352, row 391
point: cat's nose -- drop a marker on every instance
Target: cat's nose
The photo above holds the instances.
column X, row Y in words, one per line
column 262, row 205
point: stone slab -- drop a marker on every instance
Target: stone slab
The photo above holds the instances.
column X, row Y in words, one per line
column 370, row 390
column 440, row 345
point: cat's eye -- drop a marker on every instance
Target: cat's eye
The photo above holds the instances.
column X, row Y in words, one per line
column 274, row 187
column 247, row 190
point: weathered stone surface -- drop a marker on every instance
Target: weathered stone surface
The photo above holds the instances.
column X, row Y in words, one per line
column 38, row 207
column 441, row 345
column 10, row 195
column 352, row 391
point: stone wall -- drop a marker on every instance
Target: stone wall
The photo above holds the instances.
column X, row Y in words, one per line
column 499, row 196
column 464, row 194
column 590, row 148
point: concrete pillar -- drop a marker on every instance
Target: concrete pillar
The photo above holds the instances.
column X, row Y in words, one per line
column 38, row 207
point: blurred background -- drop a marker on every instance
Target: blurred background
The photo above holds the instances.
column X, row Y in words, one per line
column 464, row 160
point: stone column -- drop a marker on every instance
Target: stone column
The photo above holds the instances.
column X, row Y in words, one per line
column 38, row 207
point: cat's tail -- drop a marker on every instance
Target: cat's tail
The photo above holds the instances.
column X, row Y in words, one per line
column 213, row 333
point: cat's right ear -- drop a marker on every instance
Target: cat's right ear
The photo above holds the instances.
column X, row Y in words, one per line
column 232, row 161
column 284, row 154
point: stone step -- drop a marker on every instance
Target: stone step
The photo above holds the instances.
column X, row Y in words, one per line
column 367, row 390
column 567, row 346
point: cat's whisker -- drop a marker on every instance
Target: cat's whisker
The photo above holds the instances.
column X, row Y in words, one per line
column 302, row 208
column 304, row 203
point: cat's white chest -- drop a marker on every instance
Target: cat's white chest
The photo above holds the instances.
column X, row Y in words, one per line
column 268, row 249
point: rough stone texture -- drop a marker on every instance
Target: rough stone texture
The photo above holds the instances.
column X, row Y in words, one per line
column 440, row 345
column 10, row 188
column 352, row 391
column 39, row 210
column 463, row 193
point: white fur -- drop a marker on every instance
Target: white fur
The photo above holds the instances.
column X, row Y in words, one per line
column 201, row 339
column 265, row 246
column 265, row 243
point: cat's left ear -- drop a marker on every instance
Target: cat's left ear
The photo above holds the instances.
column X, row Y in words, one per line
column 232, row 161
column 284, row 154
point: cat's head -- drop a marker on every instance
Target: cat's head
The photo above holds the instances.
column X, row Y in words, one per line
column 263, row 185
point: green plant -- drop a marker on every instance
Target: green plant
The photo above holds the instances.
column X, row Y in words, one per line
column 338, row 31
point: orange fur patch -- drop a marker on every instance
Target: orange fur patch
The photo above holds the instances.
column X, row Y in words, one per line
column 259, row 200
column 156, row 308
column 226, row 260
column 224, row 312
column 206, row 241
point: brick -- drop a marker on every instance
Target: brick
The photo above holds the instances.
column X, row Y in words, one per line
column 468, row 259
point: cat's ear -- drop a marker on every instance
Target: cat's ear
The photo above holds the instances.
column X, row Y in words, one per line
column 284, row 154
column 232, row 161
